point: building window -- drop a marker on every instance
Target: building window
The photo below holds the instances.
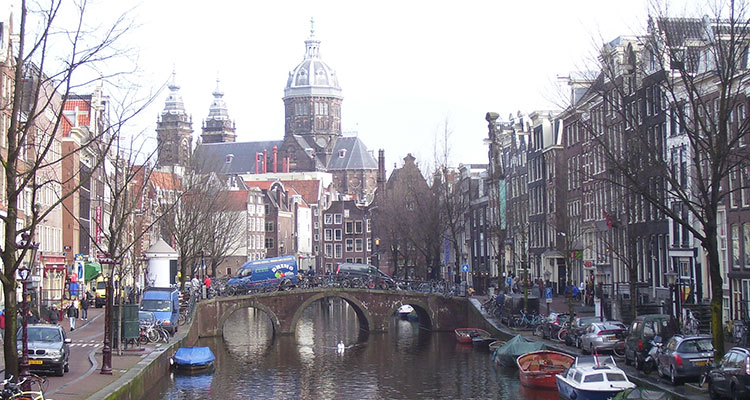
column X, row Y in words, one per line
column 736, row 246
column 328, row 219
column 269, row 243
column 337, row 219
column 269, row 226
column 358, row 260
column 337, row 249
column 349, row 245
column 329, row 267
column 358, row 227
column 350, row 260
column 337, row 234
column 329, row 250
column 229, row 158
column 358, row 245
column 369, row 225
column 746, row 243
column 349, row 227
column 317, row 237
column 328, row 235
column 369, row 245
column 342, row 153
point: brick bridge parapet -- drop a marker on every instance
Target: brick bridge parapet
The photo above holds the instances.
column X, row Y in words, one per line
column 374, row 308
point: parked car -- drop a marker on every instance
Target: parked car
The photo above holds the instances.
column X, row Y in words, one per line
column 577, row 328
column 49, row 349
column 731, row 376
column 165, row 304
column 640, row 333
column 685, row 357
column 602, row 336
column 553, row 325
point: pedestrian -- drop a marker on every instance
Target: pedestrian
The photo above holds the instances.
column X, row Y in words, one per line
column 72, row 313
column 54, row 316
column 31, row 318
column 2, row 324
column 195, row 285
column 85, row 306
column 207, row 282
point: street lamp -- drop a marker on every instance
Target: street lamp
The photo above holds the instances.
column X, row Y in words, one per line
column 24, row 273
column 107, row 349
column 599, row 291
column 673, row 295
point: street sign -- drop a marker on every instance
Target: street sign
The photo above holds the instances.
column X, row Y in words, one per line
column 465, row 267
column 548, row 294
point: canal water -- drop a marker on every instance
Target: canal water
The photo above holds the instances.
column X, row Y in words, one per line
column 405, row 363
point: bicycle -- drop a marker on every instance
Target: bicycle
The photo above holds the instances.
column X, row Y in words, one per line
column 619, row 349
column 690, row 325
column 14, row 391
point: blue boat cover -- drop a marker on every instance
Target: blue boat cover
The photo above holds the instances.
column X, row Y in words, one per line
column 193, row 356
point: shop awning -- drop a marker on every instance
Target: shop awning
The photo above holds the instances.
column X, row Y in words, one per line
column 91, row 271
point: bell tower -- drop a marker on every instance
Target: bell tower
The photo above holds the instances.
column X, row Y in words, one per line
column 218, row 128
column 174, row 130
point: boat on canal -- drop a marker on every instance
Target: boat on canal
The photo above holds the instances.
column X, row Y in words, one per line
column 594, row 377
column 473, row 335
column 193, row 359
column 538, row 368
column 507, row 354
column 496, row 345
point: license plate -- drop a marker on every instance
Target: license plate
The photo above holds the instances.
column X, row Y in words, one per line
column 701, row 363
column 35, row 362
column 611, row 337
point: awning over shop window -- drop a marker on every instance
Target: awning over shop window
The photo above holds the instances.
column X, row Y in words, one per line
column 91, row 271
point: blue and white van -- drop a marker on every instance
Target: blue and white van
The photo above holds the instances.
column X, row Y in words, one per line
column 268, row 273
column 165, row 304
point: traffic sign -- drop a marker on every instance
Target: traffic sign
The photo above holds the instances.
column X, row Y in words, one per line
column 465, row 268
column 548, row 294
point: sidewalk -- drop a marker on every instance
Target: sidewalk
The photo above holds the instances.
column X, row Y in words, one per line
column 84, row 378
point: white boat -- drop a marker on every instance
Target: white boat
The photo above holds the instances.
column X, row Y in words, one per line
column 405, row 310
column 592, row 378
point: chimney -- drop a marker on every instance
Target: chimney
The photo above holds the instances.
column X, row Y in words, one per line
column 274, row 159
column 381, row 172
column 256, row 163
column 265, row 160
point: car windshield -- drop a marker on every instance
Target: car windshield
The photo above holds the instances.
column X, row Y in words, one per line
column 696, row 346
column 42, row 334
column 156, row 305
column 101, row 285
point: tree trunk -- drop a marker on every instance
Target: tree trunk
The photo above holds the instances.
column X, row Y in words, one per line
column 633, row 290
column 9, row 344
column 717, row 292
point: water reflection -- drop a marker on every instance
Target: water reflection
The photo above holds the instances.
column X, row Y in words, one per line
column 406, row 362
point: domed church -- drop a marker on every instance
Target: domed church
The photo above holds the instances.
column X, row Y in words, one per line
column 312, row 141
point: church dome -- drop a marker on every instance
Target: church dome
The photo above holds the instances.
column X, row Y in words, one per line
column 312, row 77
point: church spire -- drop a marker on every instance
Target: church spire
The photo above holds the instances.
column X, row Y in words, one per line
column 312, row 45
column 174, row 104
column 218, row 128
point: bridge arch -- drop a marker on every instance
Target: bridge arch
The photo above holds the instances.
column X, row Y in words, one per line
column 249, row 302
column 420, row 307
column 364, row 318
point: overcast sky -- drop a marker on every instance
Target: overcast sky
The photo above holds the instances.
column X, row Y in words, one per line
column 405, row 67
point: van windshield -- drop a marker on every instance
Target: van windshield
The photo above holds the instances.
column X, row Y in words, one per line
column 245, row 272
column 101, row 285
column 156, row 305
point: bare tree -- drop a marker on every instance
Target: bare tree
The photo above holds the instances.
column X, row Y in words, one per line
column 50, row 58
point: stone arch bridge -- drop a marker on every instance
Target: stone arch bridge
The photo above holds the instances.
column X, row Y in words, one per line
column 374, row 308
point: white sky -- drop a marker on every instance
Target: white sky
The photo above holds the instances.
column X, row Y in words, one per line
column 404, row 66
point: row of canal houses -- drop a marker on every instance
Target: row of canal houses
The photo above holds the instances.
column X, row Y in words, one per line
column 547, row 186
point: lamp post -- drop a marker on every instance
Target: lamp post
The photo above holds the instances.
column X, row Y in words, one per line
column 377, row 253
column 671, row 280
column 599, row 291
column 107, row 349
column 24, row 273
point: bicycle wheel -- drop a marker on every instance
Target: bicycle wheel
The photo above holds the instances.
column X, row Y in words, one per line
column 538, row 331
column 152, row 334
column 562, row 334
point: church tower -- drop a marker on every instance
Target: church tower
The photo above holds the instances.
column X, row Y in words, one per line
column 218, row 128
column 312, row 107
column 174, row 130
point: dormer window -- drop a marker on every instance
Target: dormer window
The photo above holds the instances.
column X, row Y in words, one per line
column 229, row 158
column 342, row 153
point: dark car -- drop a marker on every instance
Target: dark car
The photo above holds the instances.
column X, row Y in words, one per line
column 731, row 376
column 685, row 357
column 48, row 348
column 577, row 327
column 365, row 273
column 640, row 333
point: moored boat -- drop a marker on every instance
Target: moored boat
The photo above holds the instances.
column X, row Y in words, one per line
column 404, row 311
column 496, row 345
column 538, row 368
column 592, row 378
column 193, row 358
column 467, row 335
column 507, row 354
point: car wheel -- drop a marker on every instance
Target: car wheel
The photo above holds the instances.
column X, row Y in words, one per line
column 60, row 371
column 638, row 363
column 673, row 376
column 712, row 391
column 735, row 393
column 659, row 371
column 67, row 367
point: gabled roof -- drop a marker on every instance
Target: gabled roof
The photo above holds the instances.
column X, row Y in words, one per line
column 165, row 180
column 234, row 200
column 262, row 185
column 350, row 153
column 236, row 157
column 310, row 190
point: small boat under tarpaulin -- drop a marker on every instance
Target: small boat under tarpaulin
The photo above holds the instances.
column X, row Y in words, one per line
column 507, row 355
column 538, row 368
column 193, row 358
column 642, row 394
column 496, row 345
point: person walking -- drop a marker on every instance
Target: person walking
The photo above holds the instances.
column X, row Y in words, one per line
column 54, row 316
column 72, row 315
column 85, row 306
